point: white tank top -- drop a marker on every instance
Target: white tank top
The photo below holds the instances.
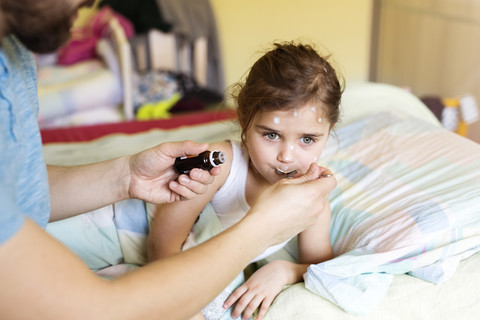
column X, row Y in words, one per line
column 230, row 202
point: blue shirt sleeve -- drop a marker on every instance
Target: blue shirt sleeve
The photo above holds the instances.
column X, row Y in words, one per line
column 11, row 220
column 23, row 174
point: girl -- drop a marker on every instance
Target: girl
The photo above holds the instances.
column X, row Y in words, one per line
column 286, row 109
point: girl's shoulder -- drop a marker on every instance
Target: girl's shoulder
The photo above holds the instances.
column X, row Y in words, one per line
column 227, row 149
column 236, row 158
column 223, row 146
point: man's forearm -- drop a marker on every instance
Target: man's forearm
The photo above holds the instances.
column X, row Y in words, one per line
column 175, row 288
column 79, row 189
column 193, row 278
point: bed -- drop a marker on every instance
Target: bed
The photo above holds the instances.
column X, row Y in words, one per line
column 405, row 215
column 109, row 74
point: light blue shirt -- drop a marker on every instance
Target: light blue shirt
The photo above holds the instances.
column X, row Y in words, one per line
column 23, row 174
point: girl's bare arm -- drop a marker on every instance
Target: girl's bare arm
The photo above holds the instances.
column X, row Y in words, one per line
column 172, row 222
column 314, row 242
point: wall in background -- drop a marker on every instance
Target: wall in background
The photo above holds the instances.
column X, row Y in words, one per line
column 342, row 27
column 431, row 46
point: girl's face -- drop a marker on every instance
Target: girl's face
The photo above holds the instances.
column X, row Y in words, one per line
column 281, row 143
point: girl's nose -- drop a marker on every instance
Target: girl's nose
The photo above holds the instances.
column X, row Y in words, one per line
column 286, row 153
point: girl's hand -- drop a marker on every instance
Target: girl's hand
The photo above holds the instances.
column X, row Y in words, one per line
column 261, row 288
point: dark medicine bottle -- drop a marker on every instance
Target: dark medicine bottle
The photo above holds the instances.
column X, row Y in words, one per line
column 205, row 160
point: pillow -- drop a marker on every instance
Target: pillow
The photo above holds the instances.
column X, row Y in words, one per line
column 407, row 201
column 63, row 91
column 361, row 99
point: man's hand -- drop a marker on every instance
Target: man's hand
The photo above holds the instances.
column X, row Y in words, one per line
column 291, row 205
column 154, row 179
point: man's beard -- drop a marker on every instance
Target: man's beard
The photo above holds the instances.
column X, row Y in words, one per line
column 38, row 31
column 46, row 39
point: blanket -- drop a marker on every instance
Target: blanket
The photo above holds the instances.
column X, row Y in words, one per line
column 407, row 201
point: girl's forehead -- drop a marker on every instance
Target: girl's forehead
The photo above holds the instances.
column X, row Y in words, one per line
column 313, row 113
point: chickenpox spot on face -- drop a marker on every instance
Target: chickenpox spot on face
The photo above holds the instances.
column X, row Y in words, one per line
column 276, row 120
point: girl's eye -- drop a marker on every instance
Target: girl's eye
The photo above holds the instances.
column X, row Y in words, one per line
column 271, row 136
column 307, row 140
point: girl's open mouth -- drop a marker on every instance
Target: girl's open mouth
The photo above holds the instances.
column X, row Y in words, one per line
column 286, row 174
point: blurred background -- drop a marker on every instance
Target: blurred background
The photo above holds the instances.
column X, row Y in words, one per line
column 168, row 56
